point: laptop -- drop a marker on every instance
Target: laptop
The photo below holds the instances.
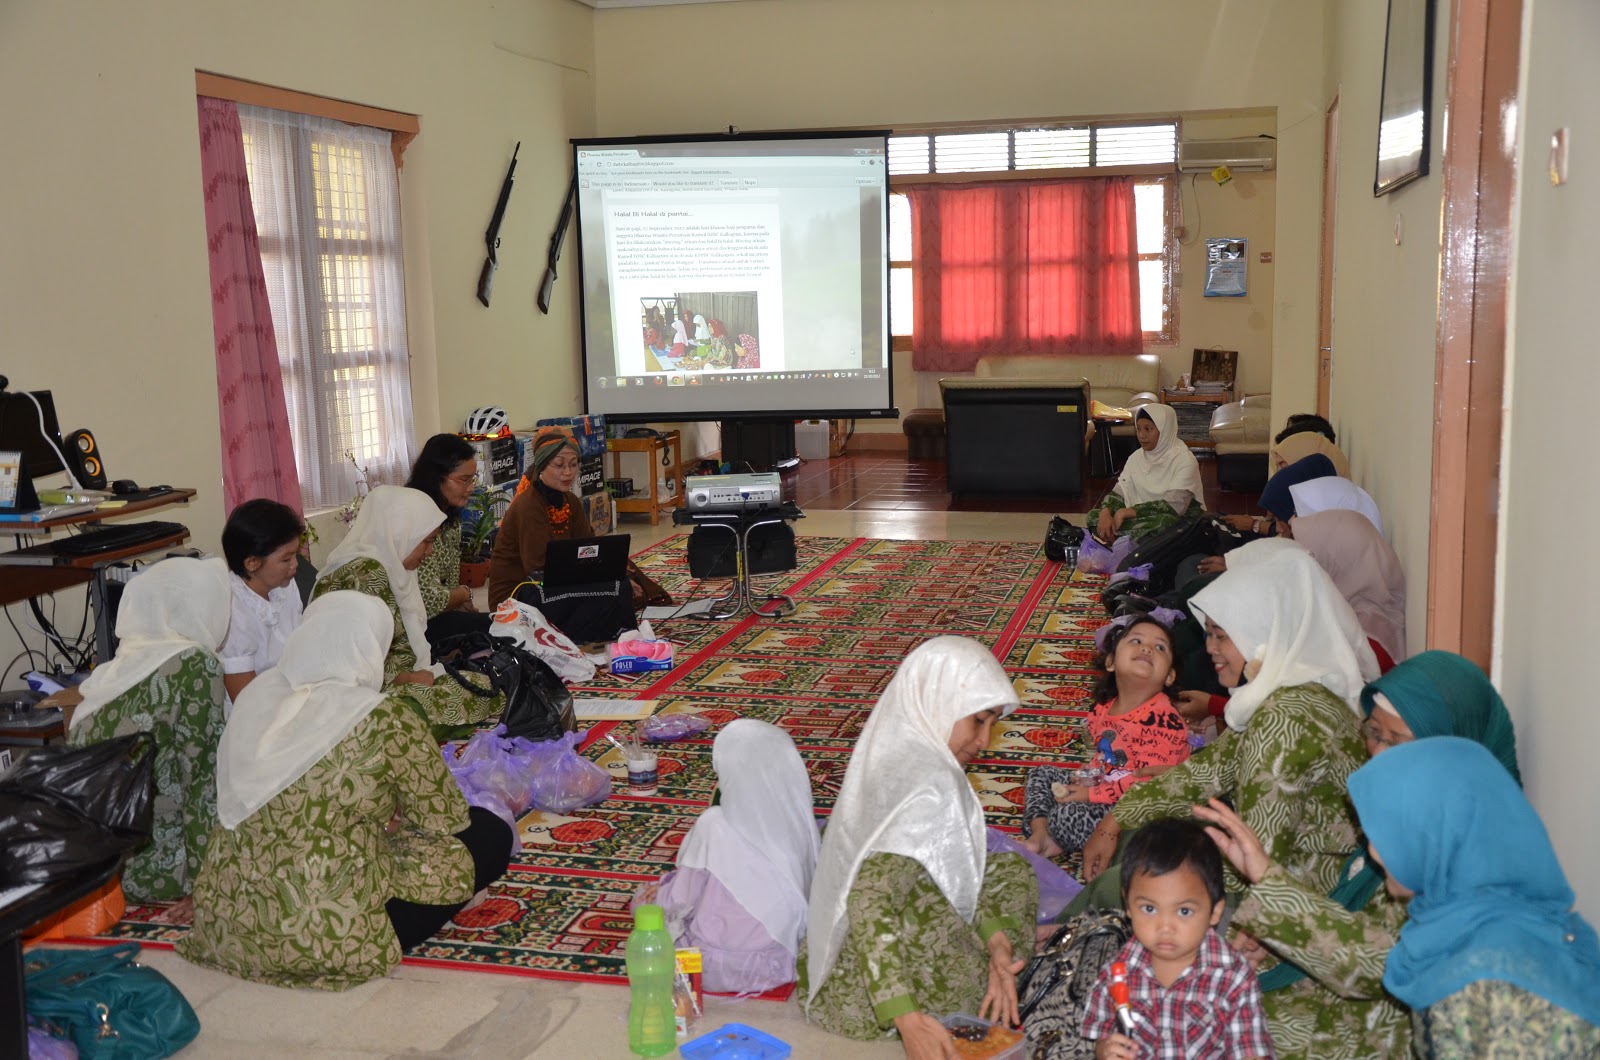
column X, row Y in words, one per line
column 585, row 560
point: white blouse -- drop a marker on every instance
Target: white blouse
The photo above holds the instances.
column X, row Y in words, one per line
column 258, row 629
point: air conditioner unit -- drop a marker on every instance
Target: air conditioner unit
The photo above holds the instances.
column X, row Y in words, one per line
column 1242, row 156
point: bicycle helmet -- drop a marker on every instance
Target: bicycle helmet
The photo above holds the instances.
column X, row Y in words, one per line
column 490, row 421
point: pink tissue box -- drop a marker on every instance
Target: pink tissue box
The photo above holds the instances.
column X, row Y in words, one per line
column 639, row 656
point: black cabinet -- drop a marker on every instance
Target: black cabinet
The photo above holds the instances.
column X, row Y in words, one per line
column 1014, row 435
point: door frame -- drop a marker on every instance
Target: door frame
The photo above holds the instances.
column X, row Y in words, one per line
column 1474, row 284
column 1330, row 215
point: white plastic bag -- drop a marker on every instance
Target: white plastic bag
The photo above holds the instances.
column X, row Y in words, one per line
column 525, row 625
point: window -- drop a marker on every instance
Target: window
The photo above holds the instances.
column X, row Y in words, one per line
column 1037, row 150
column 327, row 206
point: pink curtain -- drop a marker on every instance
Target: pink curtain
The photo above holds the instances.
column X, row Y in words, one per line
column 1037, row 267
column 257, row 448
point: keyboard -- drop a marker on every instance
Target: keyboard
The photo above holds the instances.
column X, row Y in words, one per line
column 94, row 540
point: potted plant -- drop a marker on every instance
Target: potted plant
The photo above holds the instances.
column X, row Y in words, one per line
column 479, row 524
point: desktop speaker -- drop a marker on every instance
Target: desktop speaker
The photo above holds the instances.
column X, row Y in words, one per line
column 83, row 456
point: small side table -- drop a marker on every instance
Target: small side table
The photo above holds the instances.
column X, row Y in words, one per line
column 650, row 502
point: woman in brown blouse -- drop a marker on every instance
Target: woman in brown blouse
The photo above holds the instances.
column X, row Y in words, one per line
column 545, row 509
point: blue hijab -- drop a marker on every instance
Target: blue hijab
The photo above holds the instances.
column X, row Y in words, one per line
column 1277, row 499
column 1491, row 900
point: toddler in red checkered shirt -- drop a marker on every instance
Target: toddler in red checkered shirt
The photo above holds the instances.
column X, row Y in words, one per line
column 1191, row 995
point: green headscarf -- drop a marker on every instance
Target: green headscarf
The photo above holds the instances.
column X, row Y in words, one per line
column 1439, row 693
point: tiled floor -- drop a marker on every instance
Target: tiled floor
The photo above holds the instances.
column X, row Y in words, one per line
column 880, row 481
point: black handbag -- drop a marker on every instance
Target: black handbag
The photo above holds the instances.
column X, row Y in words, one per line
column 538, row 705
column 1194, row 536
column 1061, row 540
column 65, row 810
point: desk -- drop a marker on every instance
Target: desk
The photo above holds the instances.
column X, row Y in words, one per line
column 740, row 596
column 18, row 583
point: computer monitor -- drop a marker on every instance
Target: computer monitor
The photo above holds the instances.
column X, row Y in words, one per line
column 32, row 430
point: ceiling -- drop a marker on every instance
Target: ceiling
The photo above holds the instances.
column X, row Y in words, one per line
column 609, row 4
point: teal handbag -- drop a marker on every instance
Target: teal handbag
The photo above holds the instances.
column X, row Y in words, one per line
column 107, row 1004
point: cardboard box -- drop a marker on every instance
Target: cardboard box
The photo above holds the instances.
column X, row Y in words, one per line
column 601, row 508
column 638, row 664
column 591, row 476
column 590, row 431
column 497, row 460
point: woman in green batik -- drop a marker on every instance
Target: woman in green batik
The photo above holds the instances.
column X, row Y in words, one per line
column 1493, row 960
column 909, row 918
column 387, row 542
column 343, row 839
column 1283, row 638
column 166, row 680
column 1159, row 484
column 447, row 471
column 1323, row 954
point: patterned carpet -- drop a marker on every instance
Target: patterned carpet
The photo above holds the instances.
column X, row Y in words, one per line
column 562, row 910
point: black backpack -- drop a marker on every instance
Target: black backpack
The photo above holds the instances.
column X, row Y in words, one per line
column 1053, row 990
column 538, row 705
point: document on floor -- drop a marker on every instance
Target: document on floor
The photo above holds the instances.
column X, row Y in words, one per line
column 684, row 610
column 614, row 709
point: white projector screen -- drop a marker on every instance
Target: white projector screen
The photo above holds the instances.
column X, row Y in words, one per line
column 738, row 277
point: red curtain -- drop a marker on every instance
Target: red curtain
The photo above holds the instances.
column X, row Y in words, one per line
column 257, row 448
column 1037, row 267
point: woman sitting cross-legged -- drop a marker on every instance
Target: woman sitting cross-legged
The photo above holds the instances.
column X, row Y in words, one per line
column 1493, row 960
column 387, row 542
column 1285, row 641
column 744, row 870
column 1158, row 485
column 910, row 920
column 343, row 839
column 1325, row 996
column 261, row 542
column 166, row 680
column 447, row 471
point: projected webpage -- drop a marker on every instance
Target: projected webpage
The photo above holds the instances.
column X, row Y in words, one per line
column 731, row 265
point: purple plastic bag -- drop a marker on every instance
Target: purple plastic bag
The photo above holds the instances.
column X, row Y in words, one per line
column 661, row 728
column 496, row 774
column 1095, row 558
column 1056, row 885
column 42, row 1046
column 563, row 780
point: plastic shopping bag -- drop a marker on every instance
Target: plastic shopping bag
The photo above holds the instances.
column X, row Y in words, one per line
column 1056, row 885
column 495, row 773
column 527, row 626
column 1095, row 558
column 563, row 780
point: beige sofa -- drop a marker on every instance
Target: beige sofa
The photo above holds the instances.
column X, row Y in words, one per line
column 1242, row 431
column 1120, row 381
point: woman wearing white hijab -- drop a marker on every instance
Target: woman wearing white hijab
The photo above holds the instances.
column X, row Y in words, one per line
column 343, row 838
column 166, row 680
column 391, row 536
column 910, row 919
column 1283, row 638
column 1330, row 493
column 1159, row 483
column 744, row 870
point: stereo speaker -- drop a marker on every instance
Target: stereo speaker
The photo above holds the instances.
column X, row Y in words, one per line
column 713, row 552
column 83, row 454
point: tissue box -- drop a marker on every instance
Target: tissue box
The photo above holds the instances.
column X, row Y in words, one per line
column 624, row 661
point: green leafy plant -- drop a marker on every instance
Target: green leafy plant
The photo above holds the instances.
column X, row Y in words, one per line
column 479, row 523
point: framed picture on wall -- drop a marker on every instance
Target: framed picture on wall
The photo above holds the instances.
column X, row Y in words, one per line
column 1403, row 132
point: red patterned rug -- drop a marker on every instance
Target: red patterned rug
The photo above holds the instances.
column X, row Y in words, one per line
column 562, row 909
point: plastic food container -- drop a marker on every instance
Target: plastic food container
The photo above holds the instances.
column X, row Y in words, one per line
column 978, row 1039
column 735, row 1041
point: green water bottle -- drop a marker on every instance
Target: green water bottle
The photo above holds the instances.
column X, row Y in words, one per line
column 652, row 1023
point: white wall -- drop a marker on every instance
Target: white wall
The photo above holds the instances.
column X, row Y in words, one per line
column 830, row 63
column 1547, row 666
column 1386, row 301
column 104, row 289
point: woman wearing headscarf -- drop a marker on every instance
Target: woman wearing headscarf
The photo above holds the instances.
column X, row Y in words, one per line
column 1278, row 499
column 1325, row 995
column 1493, row 960
column 343, row 839
column 544, row 509
column 388, row 541
column 1159, row 483
column 910, row 919
column 1367, row 571
column 743, row 875
column 1284, row 640
column 166, row 679
column 1327, row 494
column 1298, row 446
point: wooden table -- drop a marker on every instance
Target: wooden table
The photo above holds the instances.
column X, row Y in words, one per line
column 663, row 448
column 19, row 582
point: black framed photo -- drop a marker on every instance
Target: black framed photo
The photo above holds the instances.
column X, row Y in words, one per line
column 1403, row 126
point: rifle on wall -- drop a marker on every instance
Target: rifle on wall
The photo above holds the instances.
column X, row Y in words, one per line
column 556, row 239
column 491, row 236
